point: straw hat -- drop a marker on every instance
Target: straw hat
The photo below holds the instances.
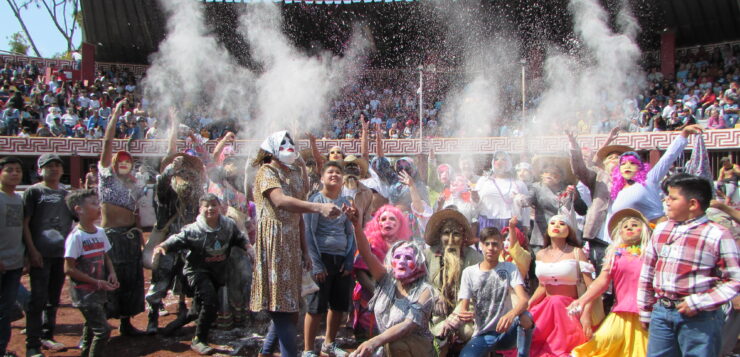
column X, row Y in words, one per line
column 191, row 162
column 627, row 212
column 562, row 162
column 362, row 163
column 606, row 150
column 432, row 235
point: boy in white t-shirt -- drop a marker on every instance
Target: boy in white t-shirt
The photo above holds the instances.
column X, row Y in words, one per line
column 488, row 285
column 90, row 270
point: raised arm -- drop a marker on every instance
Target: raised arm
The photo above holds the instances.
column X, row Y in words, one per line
column 658, row 172
column 582, row 172
column 110, row 132
column 379, row 141
column 316, row 154
column 364, row 144
column 174, row 129
column 222, row 145
column 374, row 265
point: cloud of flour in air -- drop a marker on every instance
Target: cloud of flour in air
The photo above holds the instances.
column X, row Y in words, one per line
column 192, row 72
column 475, row 105
column 593, row 81
column 293, row 90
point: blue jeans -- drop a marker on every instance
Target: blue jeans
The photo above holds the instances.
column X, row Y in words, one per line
column 673, row 334
column 490, row 341
column 9, row 281
column 283, row 328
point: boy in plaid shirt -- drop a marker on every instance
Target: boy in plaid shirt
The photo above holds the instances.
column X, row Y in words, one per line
column 690, row 270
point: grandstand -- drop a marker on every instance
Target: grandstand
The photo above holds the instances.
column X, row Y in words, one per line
column 121, row 36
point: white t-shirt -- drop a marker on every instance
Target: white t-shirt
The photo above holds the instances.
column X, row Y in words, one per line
column 498, row 199
column 489, row 292
column 81, row 244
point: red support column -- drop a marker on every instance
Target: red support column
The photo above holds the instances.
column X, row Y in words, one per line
column 668, row 53
column 88, row 62
column 75, row 170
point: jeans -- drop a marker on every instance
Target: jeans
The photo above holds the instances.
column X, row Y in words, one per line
column 490, row 341
column 9, row 282
column 673, row 334
column 524, row 338
column 283, row 328
column 95, row 331
column 46, row 287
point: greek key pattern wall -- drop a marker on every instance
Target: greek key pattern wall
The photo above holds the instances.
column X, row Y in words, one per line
column 715, row 140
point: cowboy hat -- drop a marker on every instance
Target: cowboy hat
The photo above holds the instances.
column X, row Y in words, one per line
column 432, row 234
column 563, row 163
column 362, row 163
column 191, row 162
column 627, row 212
column 606, row 150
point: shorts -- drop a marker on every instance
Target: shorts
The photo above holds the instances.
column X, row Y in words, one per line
column 336, row 290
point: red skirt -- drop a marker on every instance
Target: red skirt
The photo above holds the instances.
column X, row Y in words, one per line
column 556, row 333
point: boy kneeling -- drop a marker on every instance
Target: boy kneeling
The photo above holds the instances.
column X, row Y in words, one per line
column 208, row 242
column 86, row 263
column 489, row 284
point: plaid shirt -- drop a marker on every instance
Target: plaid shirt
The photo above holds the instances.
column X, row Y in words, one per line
column 696, row 261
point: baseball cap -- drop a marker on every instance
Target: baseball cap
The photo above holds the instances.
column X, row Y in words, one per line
column 47, row 158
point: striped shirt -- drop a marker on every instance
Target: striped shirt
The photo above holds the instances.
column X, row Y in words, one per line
column 696, row 261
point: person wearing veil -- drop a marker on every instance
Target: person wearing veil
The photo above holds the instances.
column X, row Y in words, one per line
column 280, row 249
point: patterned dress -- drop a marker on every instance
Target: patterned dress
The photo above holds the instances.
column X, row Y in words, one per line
column 276, row 284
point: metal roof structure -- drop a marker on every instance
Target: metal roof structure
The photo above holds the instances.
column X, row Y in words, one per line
column 129, row 31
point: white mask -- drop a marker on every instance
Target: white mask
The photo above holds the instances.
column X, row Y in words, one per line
column 287, row 153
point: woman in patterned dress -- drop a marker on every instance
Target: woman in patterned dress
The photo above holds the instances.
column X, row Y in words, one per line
column 279, row 193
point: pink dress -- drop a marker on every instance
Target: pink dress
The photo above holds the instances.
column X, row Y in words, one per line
column 556, row 333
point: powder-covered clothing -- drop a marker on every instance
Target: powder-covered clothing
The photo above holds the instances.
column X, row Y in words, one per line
column 113, row 190
column 646, row 197
column 625, row 272
column 390, row 309
column 329, row 236
column 696, row 261
column 598, row 182
column 11, row 231
column 51, row 219
column 207, row 248
column 277, row 271
column 498, row 197
column 170, row 206
column 489, row 291
column 88, row 250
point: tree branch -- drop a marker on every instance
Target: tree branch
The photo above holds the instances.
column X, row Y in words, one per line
column 17, row 13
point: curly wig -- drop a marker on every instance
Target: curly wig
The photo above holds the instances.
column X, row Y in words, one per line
column 374, row 235
column 618, row 181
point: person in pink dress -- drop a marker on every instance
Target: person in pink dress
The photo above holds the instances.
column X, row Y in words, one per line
column 556, row 333
column 621, row 333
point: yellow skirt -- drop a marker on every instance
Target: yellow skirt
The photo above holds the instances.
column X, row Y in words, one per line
column 621, row 334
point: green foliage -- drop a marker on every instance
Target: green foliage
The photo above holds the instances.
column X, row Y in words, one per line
column 18, row 43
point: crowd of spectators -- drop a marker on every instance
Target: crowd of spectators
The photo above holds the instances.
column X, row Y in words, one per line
column 704, row 90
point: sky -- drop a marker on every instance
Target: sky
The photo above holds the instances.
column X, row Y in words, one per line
column 48, row 39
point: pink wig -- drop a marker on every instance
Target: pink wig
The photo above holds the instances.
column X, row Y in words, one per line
column 374, row 236
column 640, row 177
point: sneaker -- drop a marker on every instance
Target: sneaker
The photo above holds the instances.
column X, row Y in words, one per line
column 33, row 352
column 163, row 311
column 201, row 347
column 52, row 345
column 333, row 350
column 309, row 354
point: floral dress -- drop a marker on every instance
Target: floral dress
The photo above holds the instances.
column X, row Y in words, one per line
column 276, row 282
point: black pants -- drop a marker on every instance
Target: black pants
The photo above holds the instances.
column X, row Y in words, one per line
column 206, row 293
column 46, row 288
column 125, row 253
column 95, row 331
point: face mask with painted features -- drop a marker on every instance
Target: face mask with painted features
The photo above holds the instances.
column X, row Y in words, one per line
column 403, row 263
column 557, row 228
column 459, row 185
column 389, row 224
column 631, row 231
column 124, row 167
column 287, row 153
